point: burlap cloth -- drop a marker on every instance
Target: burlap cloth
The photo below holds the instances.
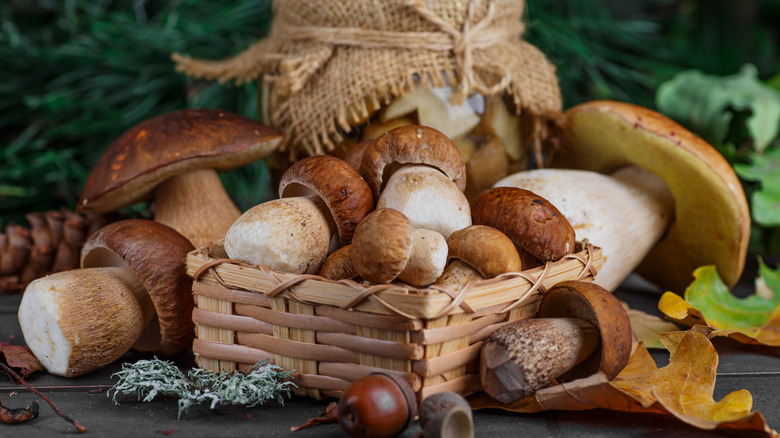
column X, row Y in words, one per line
column 331, row 63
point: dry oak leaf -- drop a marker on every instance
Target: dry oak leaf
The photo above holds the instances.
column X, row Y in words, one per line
column 647, row 328
column 19, row 358
column 683, row 389
column 709, row 303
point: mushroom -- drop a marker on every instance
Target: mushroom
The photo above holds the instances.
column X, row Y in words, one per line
column 175, row 157
column 478, row 249
column 323, row 200
column 386, row 247
column 80, row 320
column 418, row 171
column 581, row 329
column 706, row 222
column 529, row 220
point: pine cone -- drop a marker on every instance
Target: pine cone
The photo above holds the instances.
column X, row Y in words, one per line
column 51, row 244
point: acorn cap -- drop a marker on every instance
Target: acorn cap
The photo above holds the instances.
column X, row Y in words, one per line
column 712, row 218
column 155, row 253
column 528, row 219
column 594, row 304
column 411, row 144
column 156, row 149
column 341, row 188
column 484, row 248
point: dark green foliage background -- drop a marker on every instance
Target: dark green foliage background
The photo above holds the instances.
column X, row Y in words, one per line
column 75, row 74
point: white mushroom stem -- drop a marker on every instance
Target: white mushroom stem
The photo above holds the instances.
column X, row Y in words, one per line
column 427, row 197
column 288, row 234
column 196, row 205
column 428, row 258
column 78, row 321
column 625, row 213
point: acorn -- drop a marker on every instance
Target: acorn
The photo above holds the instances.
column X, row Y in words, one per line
column 377, row 405
column 446, row 415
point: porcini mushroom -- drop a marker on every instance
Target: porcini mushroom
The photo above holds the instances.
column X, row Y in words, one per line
column 418, row 171
column 175, row 157
column 479, row 248
column 323, row 200
column 709, row 222
column 581, row 329
column 529, row 220
column 386, row 247
column 78, row 321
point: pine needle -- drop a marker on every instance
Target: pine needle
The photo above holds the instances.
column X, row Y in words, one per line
column 149, row 379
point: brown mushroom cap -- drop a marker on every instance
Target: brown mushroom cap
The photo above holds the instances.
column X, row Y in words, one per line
column 338, row 265
column 159, row 148
column 486, row 249
column 529, row 220
column 411, row 144
column 340, row 187
column 591, row 302
column 382, row 245
column 155, row 253
column 712, row 219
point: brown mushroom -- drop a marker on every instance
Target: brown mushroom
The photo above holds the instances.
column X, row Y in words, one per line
column 175, row 158
column 581, row 329
column 338, row 265
column 529, row 220
column 80, row 320
column 709, row 222
column 323, row 200
column 386, row 247
column 478, row 252
column 154, row 253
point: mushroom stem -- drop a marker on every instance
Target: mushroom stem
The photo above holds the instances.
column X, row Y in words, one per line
column 525, row 356
column 196, row 205
column 625, row 213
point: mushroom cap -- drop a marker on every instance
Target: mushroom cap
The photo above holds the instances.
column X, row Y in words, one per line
column 428, row 198
column 338, row 265
column 529, row 220
column 712, row 218
column 340, row 187
column 155, row 253
column 289, row 234
column 159, row 148
column 79, row 321
column 594, row 304
column 411, row 144
column 382, row 245
column 486, row 249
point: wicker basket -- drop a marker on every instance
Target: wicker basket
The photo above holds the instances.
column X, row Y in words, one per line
column 334, row 332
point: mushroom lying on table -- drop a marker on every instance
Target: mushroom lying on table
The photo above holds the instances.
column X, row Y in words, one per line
column 665, row 185
column 323, row 200
column 78, row 321
column 580, row 329
column 175, row 158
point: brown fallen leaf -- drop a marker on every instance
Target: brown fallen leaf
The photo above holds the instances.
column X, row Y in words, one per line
column 683, row 389
column 19, row 358
column 18, row 415
column 647, row 328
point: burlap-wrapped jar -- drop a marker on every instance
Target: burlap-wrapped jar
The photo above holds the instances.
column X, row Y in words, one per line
column 329, row 68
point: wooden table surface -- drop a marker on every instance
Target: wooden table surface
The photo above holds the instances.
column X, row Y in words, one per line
column 85, row 399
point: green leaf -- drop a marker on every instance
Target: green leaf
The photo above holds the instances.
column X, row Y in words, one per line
column 765, row 202
column 707, row 104
column 722, row 309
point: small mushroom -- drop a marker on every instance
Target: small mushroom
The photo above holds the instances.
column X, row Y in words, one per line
column 338, row 265
column 418, row 171
column 386, row 247
column 708, row 222
column 80, row 320
column 581, row 329
column 478, row 252
column 529, row 220
column 323, row 200
column 175, row 157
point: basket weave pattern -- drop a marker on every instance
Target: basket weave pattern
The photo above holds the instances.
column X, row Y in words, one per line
column 334, row 332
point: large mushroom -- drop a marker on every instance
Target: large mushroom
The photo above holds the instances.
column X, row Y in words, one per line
column 665, row 190
column 418, row 171
column 80, row 320
column 175, row 157
column 323, row 200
